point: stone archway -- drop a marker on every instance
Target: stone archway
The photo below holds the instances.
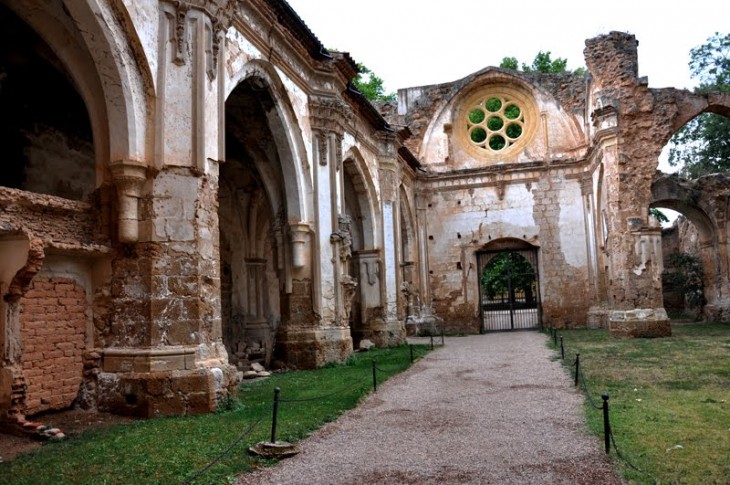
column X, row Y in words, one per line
column 252, row 216
column 366, row 312
column 702, row 202
column 55, row 148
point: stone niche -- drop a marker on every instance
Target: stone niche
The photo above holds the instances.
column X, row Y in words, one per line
column 648, row 323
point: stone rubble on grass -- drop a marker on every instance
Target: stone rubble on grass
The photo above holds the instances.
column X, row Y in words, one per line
column 366, row 344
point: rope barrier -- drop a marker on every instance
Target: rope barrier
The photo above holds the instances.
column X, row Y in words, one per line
column 218, row 458
column 580, row 377
column 324, row 396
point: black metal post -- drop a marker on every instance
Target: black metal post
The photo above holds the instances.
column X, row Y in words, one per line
column 375, row 378
column 442, row 336
column 562, row 348
column 606, row 423
column 275, row 415
column 432, row 341
column 411, row 347
column 577, row 368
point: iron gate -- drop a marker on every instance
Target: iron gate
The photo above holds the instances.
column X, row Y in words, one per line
column 509, row 293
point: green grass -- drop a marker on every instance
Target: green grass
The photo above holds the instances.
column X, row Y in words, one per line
column 669, row 400
column 171, row 450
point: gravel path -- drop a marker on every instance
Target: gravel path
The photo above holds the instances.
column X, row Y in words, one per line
column 483, row 409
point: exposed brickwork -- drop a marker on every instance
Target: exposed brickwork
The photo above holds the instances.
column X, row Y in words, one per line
column 53, row 325
column 63, row 223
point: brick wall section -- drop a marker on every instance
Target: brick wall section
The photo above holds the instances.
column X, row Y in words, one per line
column 53, row 325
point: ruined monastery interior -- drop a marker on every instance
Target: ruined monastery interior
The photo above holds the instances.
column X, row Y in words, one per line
column 193, row 186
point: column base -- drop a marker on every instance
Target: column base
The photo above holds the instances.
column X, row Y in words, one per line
column 380, row 332
column 168, row 381
column 309, row 348
column 639, row 323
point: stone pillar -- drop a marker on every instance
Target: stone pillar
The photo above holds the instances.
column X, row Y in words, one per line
column 426, row 318
column 621, row 104
column 371, row 324
column 164, row 353
column 389, row 182
column 313, row 331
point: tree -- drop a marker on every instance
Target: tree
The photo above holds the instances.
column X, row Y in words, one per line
column 687, row 278
column 509, row 63
column 506, row 274
column 543, row 62
column 370, row 85
column 702, row 146
column 658, row 214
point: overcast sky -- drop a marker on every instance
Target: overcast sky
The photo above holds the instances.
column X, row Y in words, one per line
column 418, row 42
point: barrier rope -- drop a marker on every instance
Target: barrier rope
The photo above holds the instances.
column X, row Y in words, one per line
column 325, row 396
column 586, row 390
column 218, row 458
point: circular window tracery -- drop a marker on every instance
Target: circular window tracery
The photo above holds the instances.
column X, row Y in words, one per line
column 497, row 120
column 502, row 128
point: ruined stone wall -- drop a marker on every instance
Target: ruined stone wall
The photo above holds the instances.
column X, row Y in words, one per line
column 53, row 329
column 544, row 211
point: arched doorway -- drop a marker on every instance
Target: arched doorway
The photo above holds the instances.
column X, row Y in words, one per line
column 509, row 290
column 252, row 215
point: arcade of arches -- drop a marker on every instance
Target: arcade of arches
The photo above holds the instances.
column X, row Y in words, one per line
column 191, row 187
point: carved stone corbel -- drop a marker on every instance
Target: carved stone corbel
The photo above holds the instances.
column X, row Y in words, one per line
column 129, row 177
column 299, row 237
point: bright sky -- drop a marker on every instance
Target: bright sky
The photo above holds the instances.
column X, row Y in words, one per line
column 417, row 42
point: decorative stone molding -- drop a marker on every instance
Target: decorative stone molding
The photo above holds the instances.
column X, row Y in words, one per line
column 299, row 237
column 219, row 12
column 349, row 285
column 389, row 180
column 129, row 177
column 344, row 237
column 148, row 360
column 330, row 115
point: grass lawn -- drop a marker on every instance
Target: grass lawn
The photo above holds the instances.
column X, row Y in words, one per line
column 172, row 450
column 669, row 400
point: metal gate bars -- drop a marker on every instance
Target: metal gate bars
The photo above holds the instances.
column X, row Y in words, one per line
column 509, row 293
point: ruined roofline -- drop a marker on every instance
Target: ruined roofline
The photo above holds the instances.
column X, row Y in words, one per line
column 287, row 17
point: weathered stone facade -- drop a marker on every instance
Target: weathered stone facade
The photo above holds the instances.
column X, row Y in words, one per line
column 199, row 187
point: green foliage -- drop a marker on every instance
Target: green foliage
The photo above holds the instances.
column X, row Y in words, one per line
column 508, row 271
column 509, row 63
column 663, row 392
column 702, row 146
column 370, row 85
column 659, row 215
column 543, row 62
column 171, row 450
column 686, row 276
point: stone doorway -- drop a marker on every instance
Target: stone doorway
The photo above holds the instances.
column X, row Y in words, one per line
column 252, row 214
column 509, row 292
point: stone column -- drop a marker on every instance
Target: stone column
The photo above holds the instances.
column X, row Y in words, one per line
column 389, row 182
column 634, row 289
column 371, row 325
column 164, row 353
column 313, row 331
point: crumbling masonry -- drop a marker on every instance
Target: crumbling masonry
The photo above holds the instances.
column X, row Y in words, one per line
column 193, row 186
